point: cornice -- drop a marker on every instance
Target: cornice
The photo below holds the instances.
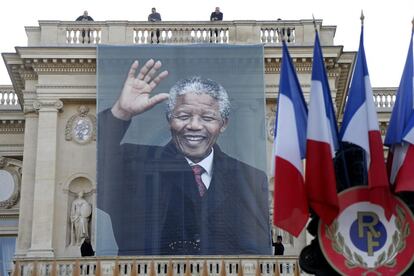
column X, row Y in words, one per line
column 64, row 68
column 303, row 65
column 27, row 73
column 63, row 65
column 275, row 51
column 28, row 62
column 32, row 67
column 16, row 79
column 72, row 52
column 65, row 86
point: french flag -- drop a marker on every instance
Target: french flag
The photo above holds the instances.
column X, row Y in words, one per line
column 291, row 211
column 360, row 127
column 400, row 134
column 322, row 143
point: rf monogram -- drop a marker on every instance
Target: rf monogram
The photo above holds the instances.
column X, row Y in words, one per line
column 366, row 224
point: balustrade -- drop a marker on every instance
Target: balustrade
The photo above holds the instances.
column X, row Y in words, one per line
column 159, row 266
column 52, row 33
column 150, row 35
column 8, row 99
column 269, row 35
column 83, row 35
column 384, row 99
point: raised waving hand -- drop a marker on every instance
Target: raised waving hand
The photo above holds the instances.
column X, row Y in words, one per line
column 135, row 96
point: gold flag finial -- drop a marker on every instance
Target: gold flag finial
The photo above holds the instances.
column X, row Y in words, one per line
column 412, row 22
column 362, row 17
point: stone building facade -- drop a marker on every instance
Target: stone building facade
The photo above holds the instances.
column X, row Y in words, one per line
column 44, row 161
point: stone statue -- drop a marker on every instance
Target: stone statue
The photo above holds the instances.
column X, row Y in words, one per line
column 79, row 217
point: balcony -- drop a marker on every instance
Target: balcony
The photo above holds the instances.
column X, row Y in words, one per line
column 384, row 99
column 160, row 266
column 74, row 33
column 8, row 99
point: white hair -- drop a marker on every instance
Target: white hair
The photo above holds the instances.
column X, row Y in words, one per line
column 199, row 85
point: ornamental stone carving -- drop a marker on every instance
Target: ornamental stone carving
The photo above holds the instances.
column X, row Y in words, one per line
column 81, row 127
column 54, row 104
column 270, row 124
column 80, row 213
column 10, row 178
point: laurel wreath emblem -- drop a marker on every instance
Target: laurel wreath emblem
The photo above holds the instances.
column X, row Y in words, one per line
column 386, row 258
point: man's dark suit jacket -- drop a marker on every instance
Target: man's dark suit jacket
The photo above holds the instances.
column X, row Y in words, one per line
column 155, row 207
column 216, row 16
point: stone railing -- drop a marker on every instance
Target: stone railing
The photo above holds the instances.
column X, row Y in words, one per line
column 160, row 266
column 8, row 98
column 384, row 98
column 59, row 33
column 195, row 33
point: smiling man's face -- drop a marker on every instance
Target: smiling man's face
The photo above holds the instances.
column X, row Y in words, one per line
column 196, row 124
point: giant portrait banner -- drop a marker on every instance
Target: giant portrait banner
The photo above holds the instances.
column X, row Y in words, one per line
column 181, row 151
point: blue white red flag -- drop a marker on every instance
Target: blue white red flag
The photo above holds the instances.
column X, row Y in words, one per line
column 360, row 127
column 322, row 143
column 400, row 134
column 291, row 211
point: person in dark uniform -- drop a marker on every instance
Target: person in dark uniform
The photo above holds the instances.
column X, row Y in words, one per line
column 216, row 15
column 85, row 18
column 86, row 248
column 154, row 16
column 279, row 248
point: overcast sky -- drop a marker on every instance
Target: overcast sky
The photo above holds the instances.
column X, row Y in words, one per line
column 387, row 23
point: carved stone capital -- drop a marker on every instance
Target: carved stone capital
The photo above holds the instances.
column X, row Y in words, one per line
column 29, row 108
column 47, row 104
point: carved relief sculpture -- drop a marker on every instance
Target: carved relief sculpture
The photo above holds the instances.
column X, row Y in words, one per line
column 81, row 127
column 270, row 123
column 79, row 217
column 10, row 178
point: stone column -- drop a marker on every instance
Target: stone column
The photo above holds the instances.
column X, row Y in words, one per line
column 45, row 179
column 27, row 186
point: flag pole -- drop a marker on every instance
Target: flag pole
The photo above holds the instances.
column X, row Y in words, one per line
column 280, row 34
column 314, row 23
column 362, row 17
column 412, row 22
